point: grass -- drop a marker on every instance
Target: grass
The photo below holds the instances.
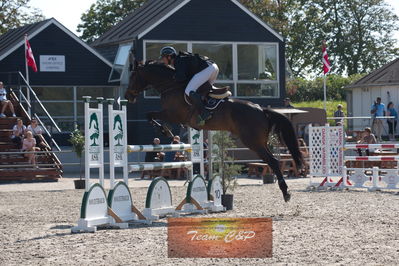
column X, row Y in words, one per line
column 331, row 107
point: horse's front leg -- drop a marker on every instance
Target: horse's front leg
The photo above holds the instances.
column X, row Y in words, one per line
column 164, row 129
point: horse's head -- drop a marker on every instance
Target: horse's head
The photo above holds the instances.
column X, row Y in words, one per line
column 137, row 82
column 154, row 73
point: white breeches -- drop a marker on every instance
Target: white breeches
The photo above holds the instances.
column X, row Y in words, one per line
column 208, row 74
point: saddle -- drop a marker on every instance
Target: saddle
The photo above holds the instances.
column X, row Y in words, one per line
column 207, row 90
column 211, row 95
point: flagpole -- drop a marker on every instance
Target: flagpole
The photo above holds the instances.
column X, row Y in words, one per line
column 26, row 61
column 27, row 76
column 325, row 93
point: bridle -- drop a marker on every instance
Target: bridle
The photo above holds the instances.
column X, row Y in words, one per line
column 134, row 70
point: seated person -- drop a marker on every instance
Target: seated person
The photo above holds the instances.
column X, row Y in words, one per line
column 18, row 132
column 154, row 156
column 367, row 138
column 29, row 144
column 37, row 131
column 170, row 156
column 4, row 103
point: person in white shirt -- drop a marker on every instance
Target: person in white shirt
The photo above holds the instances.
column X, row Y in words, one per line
column 18, row 132
column 4, row 103
column 37, row 131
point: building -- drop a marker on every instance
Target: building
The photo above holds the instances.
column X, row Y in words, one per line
column 384, row 83
column 68, row 69
column 250, row 54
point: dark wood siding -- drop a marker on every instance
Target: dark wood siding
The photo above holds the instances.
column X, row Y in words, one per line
column 211, row 20
column 83, row 68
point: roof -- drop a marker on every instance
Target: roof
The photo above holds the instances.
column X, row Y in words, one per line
column 151, row 14
column 139, row 20
column 385, row 76
column 15, row 36
column 13, row 39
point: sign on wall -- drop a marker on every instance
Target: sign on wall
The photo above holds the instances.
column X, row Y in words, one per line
column 52, row 63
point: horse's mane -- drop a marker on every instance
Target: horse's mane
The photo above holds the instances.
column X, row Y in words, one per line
column 159, row 68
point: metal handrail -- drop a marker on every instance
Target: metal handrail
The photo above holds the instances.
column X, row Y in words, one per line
column 39, row 102
column 26, row 100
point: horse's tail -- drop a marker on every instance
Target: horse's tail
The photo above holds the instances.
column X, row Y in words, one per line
column 283, row 128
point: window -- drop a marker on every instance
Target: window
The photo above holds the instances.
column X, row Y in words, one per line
column 257, row 70
column 222, row 54
column 257, row 62
column 119, row 62
column 250, row 69
column 257, row 90
column 153, row 49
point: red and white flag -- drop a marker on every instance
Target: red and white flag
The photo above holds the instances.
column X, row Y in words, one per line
column 326, row 63
column 30, row 59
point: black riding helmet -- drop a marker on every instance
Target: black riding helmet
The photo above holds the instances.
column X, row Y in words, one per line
column 168, row 50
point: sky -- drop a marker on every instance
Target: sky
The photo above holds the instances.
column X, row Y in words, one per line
column 68, row 12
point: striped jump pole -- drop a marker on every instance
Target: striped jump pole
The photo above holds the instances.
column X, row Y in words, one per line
column 151, row 148
column 372, row 146
column 372, row 158
column 159, row 166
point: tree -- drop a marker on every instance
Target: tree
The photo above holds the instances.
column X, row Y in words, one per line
column 17, row 13
column 359, row 33
column 228, row 171
column 104, row 14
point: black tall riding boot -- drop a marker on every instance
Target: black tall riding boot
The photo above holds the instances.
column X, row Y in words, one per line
column 204, row 114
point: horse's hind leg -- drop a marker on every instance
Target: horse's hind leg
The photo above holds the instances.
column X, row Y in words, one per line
column 265, row 154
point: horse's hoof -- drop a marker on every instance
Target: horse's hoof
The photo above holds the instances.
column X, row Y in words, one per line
column 287, row 197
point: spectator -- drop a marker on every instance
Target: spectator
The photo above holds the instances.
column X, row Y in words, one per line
column 177, row 138
column 339, row 113
column 377, row 109
column 37, row 131
column 367, row 138
column 154, row 156
column 170, row 156
column 29, row 145
column 4, row 103
column 287, row 103
column 18, row 132
column 392, row 122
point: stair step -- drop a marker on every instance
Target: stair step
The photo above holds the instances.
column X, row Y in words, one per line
column 28, row 172
column 30, row 178
column 7, row 146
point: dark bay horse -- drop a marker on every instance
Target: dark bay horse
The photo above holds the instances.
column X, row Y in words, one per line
column 250, row 122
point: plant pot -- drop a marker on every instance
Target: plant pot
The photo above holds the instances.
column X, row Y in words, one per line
column 79, row 184
column 227, row 201
column 268, row 179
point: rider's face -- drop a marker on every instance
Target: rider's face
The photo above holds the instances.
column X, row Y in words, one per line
column 167, row 60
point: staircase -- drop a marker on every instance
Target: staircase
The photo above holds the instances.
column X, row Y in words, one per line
column 15, row 167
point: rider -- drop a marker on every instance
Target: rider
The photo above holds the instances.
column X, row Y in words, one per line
column 195, row 69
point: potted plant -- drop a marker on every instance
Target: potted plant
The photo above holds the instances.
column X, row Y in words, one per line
column 225, row 166
column 78, row 144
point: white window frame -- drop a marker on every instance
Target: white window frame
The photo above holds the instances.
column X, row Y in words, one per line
column 121, row 67
column 235, row 81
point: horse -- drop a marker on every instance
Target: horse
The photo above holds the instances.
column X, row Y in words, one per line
column 247, row 120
